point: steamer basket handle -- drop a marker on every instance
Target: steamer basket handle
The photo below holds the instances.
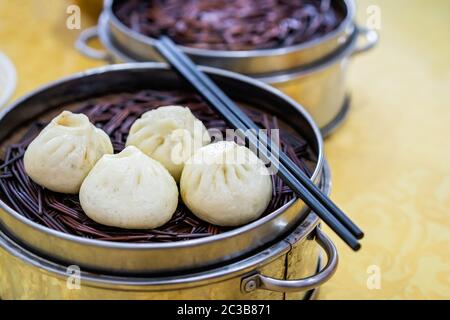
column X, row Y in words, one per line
column 259, row 281
column 82, row 45
column 371, row 39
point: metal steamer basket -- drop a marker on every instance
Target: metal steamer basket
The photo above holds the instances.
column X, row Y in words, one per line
column 280, row 245
column 313, row 73
column 252, row 62
column 288, row 269
column 163, row 257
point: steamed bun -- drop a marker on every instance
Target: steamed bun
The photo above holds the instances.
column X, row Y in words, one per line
column 64, row 152
column 169, row 135
column 226, row 184
column 129, row 190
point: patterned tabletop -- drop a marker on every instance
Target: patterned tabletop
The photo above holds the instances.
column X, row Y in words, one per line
column 390, row 161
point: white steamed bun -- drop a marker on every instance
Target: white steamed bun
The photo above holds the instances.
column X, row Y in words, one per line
column 169, row 135
column 226, row 184
column 64, row 152
column 129, row 190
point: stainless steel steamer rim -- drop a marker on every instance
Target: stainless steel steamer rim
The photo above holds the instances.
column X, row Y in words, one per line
column 319, row 86
column 141, row 257
column 245, row 276
column 248, row 271
column 348, row 49
column 249, row 61
column 103, row 33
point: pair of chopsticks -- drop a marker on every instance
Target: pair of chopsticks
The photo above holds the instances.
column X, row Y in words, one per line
column 288, row 171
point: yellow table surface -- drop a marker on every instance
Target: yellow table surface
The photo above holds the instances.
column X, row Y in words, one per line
column 390, row 160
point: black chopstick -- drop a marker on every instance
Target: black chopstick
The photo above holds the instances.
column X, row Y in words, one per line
column 173, row 57
column 229, row 104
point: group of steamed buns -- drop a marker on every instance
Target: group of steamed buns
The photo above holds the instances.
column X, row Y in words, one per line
column 222, row 183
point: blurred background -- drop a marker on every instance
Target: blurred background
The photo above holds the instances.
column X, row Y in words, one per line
column 390, row 160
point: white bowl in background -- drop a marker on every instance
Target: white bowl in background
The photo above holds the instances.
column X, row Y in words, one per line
column 8, row 79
